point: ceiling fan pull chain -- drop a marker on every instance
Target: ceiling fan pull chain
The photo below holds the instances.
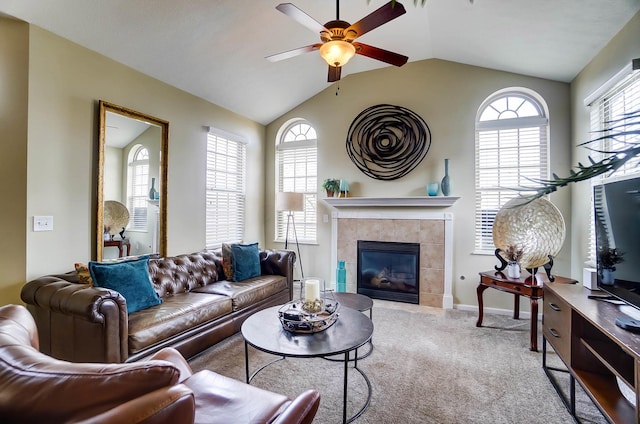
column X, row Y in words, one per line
column 337, row 87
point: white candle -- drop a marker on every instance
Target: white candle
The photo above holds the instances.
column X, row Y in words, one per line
column 311, row 290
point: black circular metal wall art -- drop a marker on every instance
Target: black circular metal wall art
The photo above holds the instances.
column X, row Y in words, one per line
column 386, row 142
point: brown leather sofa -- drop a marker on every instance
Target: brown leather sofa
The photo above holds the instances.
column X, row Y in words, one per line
column 35, row 388
column 82, row 323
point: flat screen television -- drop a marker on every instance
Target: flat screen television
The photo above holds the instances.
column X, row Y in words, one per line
column 617, row 225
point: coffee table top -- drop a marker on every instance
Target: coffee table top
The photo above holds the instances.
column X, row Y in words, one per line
column 355, row 301
column 263, row 330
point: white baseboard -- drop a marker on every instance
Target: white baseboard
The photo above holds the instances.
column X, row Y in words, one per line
column 523, row 314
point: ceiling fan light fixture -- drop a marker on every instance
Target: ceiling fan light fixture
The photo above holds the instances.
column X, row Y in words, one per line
column 337, row 52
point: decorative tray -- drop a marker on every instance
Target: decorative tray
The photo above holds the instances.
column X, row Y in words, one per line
column 296, row 319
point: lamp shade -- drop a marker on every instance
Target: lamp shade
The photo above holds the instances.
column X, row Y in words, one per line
column 337, row 52
column 289, row 201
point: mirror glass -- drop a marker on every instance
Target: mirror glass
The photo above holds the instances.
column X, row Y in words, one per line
column 132, row 189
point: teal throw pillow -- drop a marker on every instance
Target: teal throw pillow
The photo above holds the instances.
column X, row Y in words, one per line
column 246, row 261
column 130, row 279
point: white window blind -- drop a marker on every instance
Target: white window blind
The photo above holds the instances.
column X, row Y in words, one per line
column 606, row 112
column 225, row 189
column 138, row 188
column 511, row 150
column 297, row 171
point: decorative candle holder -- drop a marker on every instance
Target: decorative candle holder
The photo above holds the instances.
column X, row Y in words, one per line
column 310, row 295
column 312, row 306
column 296, row 319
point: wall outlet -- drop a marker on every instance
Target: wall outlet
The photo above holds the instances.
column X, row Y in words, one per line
column 42, row 223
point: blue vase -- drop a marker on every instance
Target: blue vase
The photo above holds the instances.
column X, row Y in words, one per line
column 152, row 191
column 341, row 278
column 444, row 185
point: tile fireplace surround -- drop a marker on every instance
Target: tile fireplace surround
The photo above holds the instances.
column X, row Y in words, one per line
column 433, row 230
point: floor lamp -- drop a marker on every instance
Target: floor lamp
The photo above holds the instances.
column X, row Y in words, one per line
column 291, row 202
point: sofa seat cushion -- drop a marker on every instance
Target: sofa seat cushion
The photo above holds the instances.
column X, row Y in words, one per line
column 223, row 400
column 247, row 292
column 177, row 314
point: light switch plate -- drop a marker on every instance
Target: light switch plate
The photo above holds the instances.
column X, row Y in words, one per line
column 42, row 223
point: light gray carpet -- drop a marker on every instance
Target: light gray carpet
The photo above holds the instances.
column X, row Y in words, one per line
column 426, row 367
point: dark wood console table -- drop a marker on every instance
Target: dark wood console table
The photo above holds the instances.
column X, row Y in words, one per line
column 120, row 245
column 595, row 351
column 526, row 285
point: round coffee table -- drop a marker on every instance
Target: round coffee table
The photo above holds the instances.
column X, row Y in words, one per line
column 263, row 331
column 356, row 301
column 359, row 302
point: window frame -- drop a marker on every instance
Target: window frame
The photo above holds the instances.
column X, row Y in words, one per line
column 600, row 113
column 138, row 189
column 521, row 138
column 225, row 188
column 297, row 148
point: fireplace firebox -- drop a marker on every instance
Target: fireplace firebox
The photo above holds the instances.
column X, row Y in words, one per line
column 389, row 270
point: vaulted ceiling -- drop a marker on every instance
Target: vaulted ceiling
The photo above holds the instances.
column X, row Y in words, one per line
column 216, row 49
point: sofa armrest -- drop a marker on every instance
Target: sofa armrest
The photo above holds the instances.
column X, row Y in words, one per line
column 302, row 410
column 77, row 322
column 174, row 404
column 278, row 262
column 170, row 354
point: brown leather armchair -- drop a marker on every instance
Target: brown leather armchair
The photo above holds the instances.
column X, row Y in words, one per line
column 36, row 388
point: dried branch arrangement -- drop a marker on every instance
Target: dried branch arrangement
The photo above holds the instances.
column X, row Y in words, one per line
column 625, row 130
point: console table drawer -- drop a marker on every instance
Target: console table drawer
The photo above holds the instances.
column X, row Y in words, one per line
column 557, row 324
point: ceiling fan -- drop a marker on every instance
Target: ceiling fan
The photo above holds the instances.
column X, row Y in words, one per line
column 338, row 45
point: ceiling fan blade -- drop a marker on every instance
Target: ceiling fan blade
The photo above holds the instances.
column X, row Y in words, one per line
column 378, row 17
column 334, row 73
column 299, row 16
column 380, row 54
column 292, row 53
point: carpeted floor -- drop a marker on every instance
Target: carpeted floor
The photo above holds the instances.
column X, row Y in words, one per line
column 427, row 366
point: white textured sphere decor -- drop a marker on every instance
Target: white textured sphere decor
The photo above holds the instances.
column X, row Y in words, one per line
column 537, row 228
column 116, row 217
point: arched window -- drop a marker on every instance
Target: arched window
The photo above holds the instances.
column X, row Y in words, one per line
column 297, row 171
column 138, row 188
column 511, row 150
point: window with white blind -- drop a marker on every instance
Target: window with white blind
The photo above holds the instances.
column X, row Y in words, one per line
column 138, row 188
column 607, row 111
column 297, row 171
column 511, row 150
column 225, row 188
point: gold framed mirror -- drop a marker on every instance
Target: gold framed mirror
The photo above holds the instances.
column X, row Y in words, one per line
column 132, row 183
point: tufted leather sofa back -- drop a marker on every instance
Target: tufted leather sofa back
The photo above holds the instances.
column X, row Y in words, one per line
column 183, row 273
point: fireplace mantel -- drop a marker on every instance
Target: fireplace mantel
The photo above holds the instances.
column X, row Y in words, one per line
column 413, row 201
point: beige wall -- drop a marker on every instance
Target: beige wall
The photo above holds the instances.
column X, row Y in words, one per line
column 447, row 95
column 618, row 53
column 14, row 66
column 65, row 82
